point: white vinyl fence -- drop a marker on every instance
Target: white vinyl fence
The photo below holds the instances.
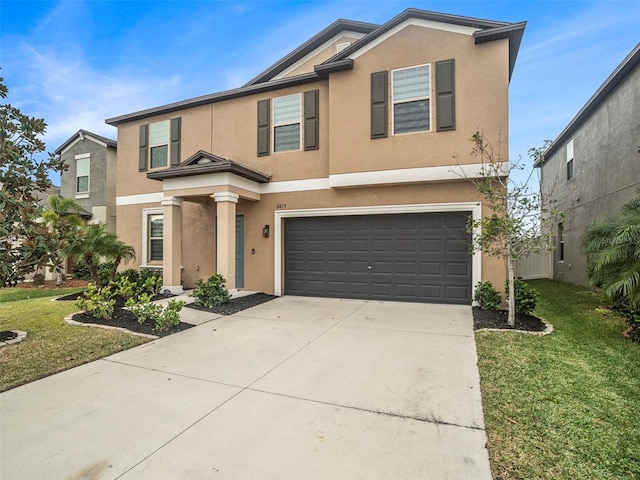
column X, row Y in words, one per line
column 537, row 265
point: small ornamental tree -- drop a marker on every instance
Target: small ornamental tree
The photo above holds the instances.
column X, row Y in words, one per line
column 65, row 229
column 518, row 220
column 25, row 242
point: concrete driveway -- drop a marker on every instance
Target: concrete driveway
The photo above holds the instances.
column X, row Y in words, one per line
column 294, row 388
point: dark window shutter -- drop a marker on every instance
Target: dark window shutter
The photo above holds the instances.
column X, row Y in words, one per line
column 379, row 111
column 311, row 124
column 142, row 158
column 263, row 128
column 176, row 124
column 445, row 95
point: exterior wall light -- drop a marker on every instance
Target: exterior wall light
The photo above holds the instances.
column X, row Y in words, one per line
column 265, row 231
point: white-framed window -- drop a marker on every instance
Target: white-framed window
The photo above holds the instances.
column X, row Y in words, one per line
column 570, row 159
column 287, row 122
column 82, row 173
column 152, row 236
column 411, row 99
column 159, row 144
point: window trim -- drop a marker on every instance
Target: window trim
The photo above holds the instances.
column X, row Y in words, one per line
column 146, row 237
column 393, row 102
column 167, row 143
column 87, row 157
column 570, row 159
column 299, row 122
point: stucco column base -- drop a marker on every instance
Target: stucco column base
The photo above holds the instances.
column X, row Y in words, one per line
column 226, row 253
column 172, row 243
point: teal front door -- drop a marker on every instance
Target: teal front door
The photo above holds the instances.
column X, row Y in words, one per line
column 239, row 251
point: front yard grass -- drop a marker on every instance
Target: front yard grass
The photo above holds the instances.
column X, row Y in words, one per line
column 51, row 345
column 566, row 405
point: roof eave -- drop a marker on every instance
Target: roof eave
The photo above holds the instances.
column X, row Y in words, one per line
column 216, row 97
column 513, row 32
column 630, row 62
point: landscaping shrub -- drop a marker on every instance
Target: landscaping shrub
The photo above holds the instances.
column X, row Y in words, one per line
column 212, row 292
column 631, row 313
column 487, row 297
column 38, row 279
column 97, row 302
column 526, row 297
column 163, row 318
column 81, row 271
column 132, row 283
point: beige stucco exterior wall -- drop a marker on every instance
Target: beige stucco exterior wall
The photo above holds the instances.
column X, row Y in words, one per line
column 228, row 129
column 325, row 54
column 482, row 81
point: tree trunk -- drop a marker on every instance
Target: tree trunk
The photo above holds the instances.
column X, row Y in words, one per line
column 511, row 319
column 93, row 270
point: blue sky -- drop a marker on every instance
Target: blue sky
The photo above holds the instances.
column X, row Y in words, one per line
column 76, row 63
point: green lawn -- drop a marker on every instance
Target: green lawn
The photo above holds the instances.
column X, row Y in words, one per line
column 566, row 405
column 51, row 345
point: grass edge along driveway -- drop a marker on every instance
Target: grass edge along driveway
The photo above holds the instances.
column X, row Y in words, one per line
column 51, row 345
column 566, row 405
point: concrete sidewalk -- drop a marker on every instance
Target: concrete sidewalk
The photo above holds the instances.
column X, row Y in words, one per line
column 293, row 388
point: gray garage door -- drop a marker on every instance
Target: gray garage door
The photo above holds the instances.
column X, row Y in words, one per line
column 420, row 257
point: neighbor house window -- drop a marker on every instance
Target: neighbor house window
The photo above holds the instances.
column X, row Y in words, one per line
column 411, row 99
column 286, row 123
column 159, row 144
column 82, row 173
column 570, row 160
column 561, row 242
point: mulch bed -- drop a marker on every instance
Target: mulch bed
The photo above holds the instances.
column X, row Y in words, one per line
column 51, row 284
column 498, row 319
column 235, row 305
column 124, row 318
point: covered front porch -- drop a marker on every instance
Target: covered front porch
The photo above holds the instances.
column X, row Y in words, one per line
column 201, row 179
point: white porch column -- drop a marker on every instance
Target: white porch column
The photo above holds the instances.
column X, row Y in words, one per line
column 226, row 252
column 172, row 244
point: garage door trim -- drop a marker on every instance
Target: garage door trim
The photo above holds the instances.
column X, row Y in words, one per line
column 279, row 215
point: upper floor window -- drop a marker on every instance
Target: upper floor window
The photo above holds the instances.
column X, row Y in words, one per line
column 82, row 173
column 570, row 160
column 286, row 123
column 159, row 144
column 411, row 99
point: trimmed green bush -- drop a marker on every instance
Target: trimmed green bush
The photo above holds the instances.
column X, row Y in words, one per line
column 212, row 292
column 162, row 318
column 526, row 297
column 97, row 302
column 487, row 297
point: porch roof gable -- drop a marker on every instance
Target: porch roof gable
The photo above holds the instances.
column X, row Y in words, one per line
column 202, row 163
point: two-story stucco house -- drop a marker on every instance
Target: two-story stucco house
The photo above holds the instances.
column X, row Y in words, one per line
column 593, row 167
column 91, row 176
column 331, row 172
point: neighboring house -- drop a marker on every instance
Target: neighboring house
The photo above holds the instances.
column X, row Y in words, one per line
column 91, row 177
column 331, row 173
column 593, row 167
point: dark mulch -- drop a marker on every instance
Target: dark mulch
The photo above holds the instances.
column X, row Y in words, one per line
column 493, row 319
column 124, row 319
column 235, row 305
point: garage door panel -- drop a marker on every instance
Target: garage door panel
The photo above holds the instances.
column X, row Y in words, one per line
column 409, row 257
column 430, row 245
